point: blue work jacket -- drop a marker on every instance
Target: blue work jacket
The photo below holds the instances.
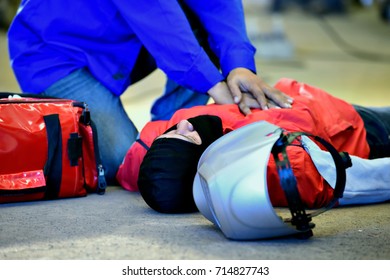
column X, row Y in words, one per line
column 50, row 39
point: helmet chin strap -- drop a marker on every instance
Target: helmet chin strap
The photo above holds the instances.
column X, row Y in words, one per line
column 300, row 219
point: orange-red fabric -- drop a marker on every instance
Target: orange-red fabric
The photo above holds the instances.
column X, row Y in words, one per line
column 314, row 111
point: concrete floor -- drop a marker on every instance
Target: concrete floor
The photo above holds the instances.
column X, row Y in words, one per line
column 119, row 225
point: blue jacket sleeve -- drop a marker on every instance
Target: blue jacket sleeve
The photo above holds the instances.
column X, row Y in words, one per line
column 225, row 23
column 163, row 29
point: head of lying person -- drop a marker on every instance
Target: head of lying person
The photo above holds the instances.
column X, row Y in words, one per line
column 168, row 169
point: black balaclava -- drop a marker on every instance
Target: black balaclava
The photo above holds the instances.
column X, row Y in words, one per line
column 168, row 169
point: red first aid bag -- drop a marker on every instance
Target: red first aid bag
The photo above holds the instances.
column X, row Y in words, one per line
column 48, row 149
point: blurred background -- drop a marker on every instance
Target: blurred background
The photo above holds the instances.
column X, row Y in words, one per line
column 341, row 46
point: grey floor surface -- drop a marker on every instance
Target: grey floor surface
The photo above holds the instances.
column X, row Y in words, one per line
column 119, row 225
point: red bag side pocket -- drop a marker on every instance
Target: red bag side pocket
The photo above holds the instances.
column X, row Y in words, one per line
column 90, row 169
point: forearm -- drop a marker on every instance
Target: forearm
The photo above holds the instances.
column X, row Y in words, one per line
column 225, row 25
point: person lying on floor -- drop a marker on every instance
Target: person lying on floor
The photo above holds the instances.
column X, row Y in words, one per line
column 163, row 162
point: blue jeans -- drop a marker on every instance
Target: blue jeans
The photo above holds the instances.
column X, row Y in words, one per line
column 116, row 132
column 175, row 97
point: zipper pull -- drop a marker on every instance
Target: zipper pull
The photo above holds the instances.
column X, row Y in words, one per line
column 102, row 184
column 85, row 117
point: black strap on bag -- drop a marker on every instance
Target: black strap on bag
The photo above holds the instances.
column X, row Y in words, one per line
column 300, row 219
column 53, row 166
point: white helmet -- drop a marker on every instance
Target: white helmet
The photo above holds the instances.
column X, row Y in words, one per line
column 230, row 187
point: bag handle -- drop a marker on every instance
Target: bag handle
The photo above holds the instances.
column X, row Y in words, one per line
column 53, row 166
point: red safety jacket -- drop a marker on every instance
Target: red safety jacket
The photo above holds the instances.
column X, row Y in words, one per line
column 314, row 111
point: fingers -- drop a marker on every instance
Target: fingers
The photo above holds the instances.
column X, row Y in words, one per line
column 236, row 92
column 247, row 103
column 261, row 98
column 244, row 108
column 272, row 105
column 264, row 99
column 278, row 98
column 242, row 81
